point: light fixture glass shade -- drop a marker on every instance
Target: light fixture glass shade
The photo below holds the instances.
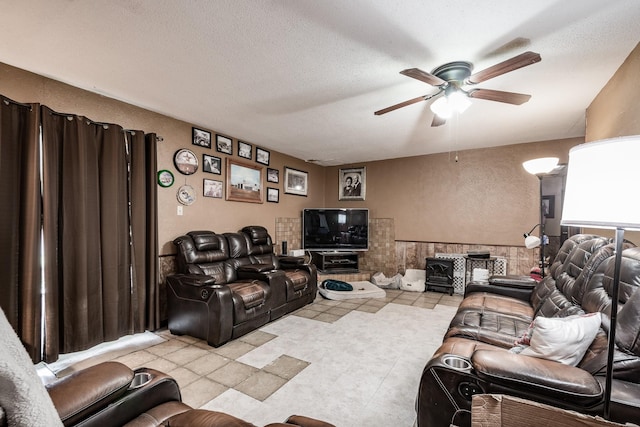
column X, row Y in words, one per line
column 531, row 242
column 540, row 166
column 602, row 181
column 459, row 102
column 441, row 107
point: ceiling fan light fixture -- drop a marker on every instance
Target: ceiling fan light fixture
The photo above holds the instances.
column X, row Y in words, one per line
column 459, row 102
column 445, row 106
column 441, row 107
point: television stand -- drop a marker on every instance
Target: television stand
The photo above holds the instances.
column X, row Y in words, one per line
column 335, row 262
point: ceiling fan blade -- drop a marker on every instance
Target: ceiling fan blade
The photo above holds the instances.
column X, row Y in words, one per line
column 514, row 63
column 400, row 105
column 499, row 96
column 423, row 76
column 437, row 121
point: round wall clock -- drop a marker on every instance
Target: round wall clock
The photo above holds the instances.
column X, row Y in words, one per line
column 186, row 195
column 186, row 161
column 165, row 178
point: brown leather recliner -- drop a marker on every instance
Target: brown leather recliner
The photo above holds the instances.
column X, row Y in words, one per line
column 231, row 284
column 215, row 298
column 474, row 356
column 301, row 279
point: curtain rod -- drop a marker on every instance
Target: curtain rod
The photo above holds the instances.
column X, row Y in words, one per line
column 8, row 101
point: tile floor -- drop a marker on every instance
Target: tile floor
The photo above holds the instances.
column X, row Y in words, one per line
column 353, row 362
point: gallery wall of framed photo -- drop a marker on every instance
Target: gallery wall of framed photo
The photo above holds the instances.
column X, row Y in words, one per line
column 230, row 169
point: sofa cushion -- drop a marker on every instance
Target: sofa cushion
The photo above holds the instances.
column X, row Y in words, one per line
column 251, row 293
column 565, row 339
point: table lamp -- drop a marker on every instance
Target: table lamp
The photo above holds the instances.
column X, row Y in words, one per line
column 600, row 192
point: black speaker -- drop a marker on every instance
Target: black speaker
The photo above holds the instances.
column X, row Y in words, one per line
column 284, row 247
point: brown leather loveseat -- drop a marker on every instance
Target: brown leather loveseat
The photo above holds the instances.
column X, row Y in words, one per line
column 479, row 353
column 231, row 284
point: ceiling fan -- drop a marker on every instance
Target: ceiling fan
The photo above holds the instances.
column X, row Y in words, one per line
column 452, row 78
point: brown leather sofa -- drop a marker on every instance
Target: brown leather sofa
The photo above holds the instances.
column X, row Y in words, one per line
column 231, row 284
column 474, row 357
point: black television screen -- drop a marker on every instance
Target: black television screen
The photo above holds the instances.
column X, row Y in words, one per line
column 335, row 229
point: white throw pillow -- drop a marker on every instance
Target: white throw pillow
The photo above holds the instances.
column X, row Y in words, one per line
column 563, row 339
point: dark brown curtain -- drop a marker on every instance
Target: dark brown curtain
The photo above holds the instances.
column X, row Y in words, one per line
column 20, row 211
column 86, row 230
column 144, row 234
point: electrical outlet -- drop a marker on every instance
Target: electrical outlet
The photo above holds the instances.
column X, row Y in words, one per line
column 179, row 210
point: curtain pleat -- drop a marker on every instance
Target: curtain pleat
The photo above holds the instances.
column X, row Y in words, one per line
column 20, row 221
column 144, row 234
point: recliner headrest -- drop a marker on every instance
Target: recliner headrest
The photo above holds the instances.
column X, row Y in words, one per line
column 257, row 234
column 205, row 240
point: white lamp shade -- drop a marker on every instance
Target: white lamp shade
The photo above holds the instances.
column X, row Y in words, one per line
column 541, row 165
column 441, row 107
column 602, row 184
column 531, row 242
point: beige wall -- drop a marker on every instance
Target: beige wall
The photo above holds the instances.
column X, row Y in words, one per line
column 206, row 213
column 484, row 197
column 616, row 112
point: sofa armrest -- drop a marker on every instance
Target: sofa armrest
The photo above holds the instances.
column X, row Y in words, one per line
column 255, row 268
column 291, row 261
column 85, row 392
column 546, row 378
column 519, row 287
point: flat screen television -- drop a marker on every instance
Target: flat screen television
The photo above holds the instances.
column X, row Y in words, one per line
column 335, row 229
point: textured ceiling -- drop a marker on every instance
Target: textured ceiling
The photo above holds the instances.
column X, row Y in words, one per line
column 304, row 77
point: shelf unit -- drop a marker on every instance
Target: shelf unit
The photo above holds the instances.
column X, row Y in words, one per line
column 335, row 262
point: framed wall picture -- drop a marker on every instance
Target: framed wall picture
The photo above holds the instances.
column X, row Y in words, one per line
column 185, row 161
column 224, row 144
column 244, row 182
column 352, row 183
column 245, row 150
column 273, row 195
column 212, row 164
column 201, row 137
column 549, row 206
column 296, row 181
column 212, row 188
column 262, row 156
column 273, row 175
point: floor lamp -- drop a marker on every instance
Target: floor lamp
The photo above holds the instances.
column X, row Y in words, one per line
column 540, row 167
column 602, row 197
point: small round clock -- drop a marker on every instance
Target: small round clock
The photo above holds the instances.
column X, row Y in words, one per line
column 186, row 195
column 165, row 178
column 186, row 161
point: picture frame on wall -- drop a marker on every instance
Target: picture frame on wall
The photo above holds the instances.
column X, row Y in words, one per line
column 262, row 156
column 212, row 188
column 296, row 181
column 273, row 195
column 352, row 182
column 244, row 182
column 273, row 175
column 201, row 137
column 212, row 164
column 224, row 144
column 245, row 150
column 549, row 206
